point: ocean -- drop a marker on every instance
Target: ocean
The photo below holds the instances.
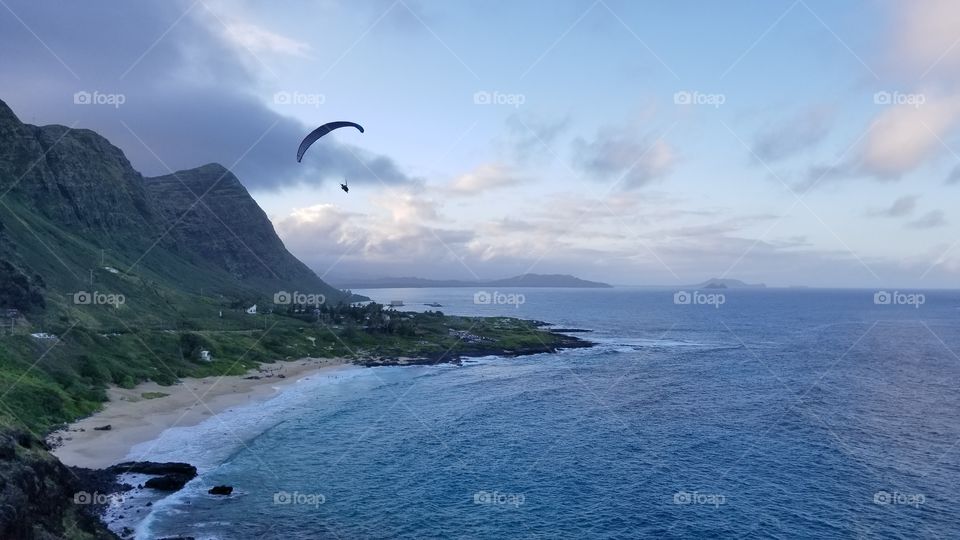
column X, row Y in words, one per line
column 747, row 414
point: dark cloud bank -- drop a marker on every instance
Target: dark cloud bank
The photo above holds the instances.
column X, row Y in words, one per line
column 188, row 95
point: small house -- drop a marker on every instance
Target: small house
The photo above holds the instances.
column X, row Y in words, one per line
column 252, row 310
column 205, row 356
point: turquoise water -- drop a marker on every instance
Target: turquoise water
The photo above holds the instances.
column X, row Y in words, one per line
column 778, row 414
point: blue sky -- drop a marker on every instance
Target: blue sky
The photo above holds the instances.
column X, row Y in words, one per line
column 788, row 167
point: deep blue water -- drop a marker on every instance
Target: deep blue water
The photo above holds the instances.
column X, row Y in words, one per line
column 780, row 414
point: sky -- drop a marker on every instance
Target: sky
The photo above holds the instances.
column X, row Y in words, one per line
column 789, row 142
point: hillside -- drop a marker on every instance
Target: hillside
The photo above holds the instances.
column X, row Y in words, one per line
column 524, row 280
column 73, row 208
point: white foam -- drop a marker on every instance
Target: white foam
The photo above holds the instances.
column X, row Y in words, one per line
column 231, row 430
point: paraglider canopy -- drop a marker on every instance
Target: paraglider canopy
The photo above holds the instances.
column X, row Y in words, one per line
column 320, row 132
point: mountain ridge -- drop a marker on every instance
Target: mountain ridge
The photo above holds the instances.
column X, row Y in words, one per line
column 72, row 197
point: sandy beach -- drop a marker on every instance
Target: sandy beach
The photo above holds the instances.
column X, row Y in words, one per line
column 142, row 413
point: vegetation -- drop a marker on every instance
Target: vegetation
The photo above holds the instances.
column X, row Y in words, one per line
column 48, row 381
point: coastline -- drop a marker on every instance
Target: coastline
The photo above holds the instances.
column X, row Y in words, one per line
column 134, row 418
column 141, row 414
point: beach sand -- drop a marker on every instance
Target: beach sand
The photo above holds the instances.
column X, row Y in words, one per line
column 134, row 419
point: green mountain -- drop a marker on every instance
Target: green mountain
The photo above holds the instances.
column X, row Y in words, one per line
column 76, row 217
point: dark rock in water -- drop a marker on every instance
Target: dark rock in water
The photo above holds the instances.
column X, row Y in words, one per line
column 168, row 476
column 107, row 427
column 168, row 482
column 220, row 490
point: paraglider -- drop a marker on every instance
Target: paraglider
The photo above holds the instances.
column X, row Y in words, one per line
column 344, row 186
column 320, row 132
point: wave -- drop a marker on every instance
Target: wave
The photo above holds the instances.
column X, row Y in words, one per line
column 233, row 430
column 607, row 346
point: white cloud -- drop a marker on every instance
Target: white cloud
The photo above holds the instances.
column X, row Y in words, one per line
column 903, row 137
column 485, row 178
column 259, row 40
column 925, row 38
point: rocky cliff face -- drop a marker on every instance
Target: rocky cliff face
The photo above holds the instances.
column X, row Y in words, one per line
column 75, row 178
column 38, row 494
column 214, row 219
column 87, row 194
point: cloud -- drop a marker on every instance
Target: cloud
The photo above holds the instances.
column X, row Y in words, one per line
column 400, row 242
column 191, row 94
column 902, row 137
column 621, row 155
column 901, row 207
column 953, row 177
column 934, row 218
column 924, row 39
column 484, row 178
column 257, row 39
column 792, row 136
column 531, row 136
column 899, row 140
column 407, row 205
column 921, row 48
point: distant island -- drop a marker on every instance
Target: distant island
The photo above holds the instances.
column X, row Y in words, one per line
column 524, row 280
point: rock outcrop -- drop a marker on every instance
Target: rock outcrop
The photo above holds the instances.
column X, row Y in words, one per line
column 40, row 498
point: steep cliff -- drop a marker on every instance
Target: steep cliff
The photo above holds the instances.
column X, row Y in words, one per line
column 71, row 204
column 38, row 494
column 214, row 220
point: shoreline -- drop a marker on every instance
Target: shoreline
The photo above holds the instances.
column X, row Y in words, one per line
column 141, row 414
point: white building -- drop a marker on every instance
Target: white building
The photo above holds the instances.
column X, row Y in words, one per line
column 252, row 310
